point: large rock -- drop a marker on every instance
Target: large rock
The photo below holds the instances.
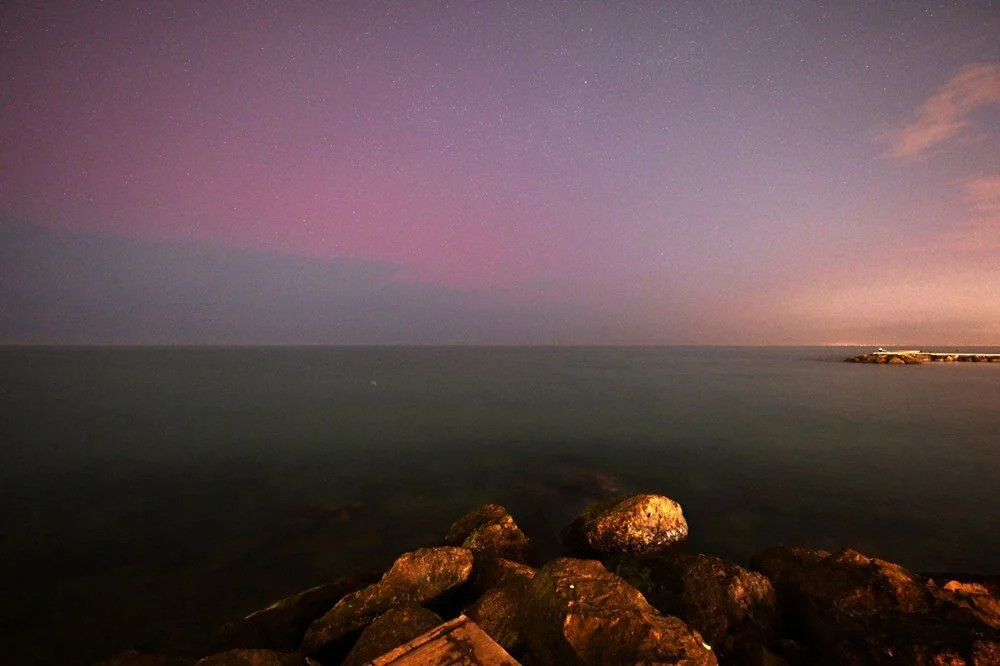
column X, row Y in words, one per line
column 390, row 630
column 256, row 658
column 734, row 610
column 493, row 571
column 281, row 625
column 853, row 609
column 498, row 610
column 635, row 524
column 577, row 612
column 490, row 531
column 415, row 578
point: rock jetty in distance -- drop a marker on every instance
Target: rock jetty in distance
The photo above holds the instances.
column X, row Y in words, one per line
column 917, row 357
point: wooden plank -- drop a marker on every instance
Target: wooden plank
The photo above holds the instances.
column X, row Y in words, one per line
column 456, row 642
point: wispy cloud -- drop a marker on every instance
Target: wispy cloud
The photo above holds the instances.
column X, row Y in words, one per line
column 946, row 113
column 984, row 194
column 981, row 230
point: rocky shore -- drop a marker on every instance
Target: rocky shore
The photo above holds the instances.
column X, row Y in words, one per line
column 628, row 595
column 917, row 357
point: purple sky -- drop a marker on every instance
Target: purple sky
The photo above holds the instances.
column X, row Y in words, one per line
column 500, row 172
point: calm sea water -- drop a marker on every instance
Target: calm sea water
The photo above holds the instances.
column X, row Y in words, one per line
column 150, row 494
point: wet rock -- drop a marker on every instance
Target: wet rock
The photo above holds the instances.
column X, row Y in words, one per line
column 390, row 630
column 416, row 577
column 256, row 658
column 734, row 609
column 577, row 612
column 498, row 610
column 489, row 531
column 136, row 658
column 866, row 610
column 281, row 625
column 635, row 524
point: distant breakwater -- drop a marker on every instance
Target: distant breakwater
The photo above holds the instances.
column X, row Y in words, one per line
column 917, row 357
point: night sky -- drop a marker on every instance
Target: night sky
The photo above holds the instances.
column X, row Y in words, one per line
column 500, row 172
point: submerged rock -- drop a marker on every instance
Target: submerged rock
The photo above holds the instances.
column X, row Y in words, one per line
column 136, row 658
column 734, row 609
column 577, row 612
column 490, row 531
column 415, row 578
column 281, row 625
column 390, row 630
column 636, row 524
column 849, row 608
column 256, row 658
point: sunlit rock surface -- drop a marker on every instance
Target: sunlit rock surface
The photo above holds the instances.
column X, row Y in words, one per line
column 416, row 577
column 578, row 612
column 636, row 524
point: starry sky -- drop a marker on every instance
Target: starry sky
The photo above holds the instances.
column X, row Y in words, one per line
column 522, row 172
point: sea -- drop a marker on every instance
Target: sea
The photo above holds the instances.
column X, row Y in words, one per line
column 151, row 494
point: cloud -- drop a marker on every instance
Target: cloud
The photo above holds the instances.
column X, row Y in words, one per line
column 945, row 115
column 984, row 194
column 980, row 231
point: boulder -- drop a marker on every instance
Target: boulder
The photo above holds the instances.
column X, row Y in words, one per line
column 498, row 610
column 489, row 531
column 256, row 658
column 635, row 524
column 866, row 610
column 390, row 630
column 415, row 578
column 494, row 571
column 578, row 612
column 281, row 625
column 735, row 610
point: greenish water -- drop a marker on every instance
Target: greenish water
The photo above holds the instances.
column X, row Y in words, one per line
column 150, row 494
